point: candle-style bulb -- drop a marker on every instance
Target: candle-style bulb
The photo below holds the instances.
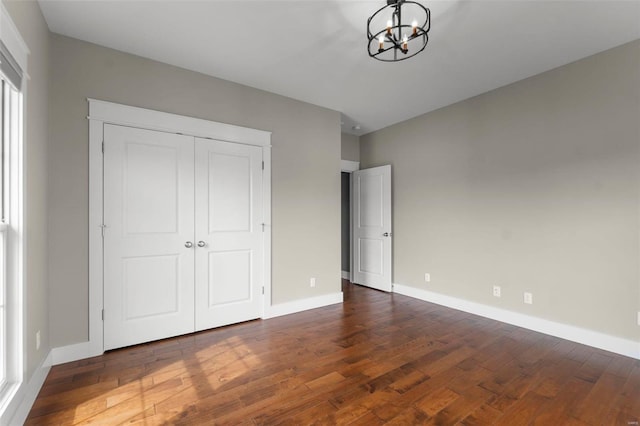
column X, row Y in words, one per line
column 389, row 25
column 405, row 42
column 381, row 42
column 414, row 26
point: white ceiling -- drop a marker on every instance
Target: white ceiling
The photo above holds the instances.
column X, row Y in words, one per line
column 315, row 51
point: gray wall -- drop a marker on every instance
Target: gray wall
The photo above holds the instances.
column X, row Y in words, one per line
column 34, row 31
column 350, row 147
column 534, row 187
column 305, row 163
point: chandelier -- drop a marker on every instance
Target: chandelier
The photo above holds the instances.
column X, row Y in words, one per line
column 398, row 40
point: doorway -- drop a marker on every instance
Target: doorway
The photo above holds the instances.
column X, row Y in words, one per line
column 371, row 228
column 346, row 249
column 366, row 225
column 345, row 222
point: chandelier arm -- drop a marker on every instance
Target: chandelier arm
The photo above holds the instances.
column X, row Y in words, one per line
column 395, row 43
column 387, row 38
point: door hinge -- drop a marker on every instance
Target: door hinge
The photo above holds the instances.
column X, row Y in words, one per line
column 262, row 290
column 103, row 315
column 262, row 227
column 103, row 147
column 263, row 165
column 102, row 227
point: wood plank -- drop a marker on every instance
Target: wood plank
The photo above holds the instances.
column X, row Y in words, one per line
column 483, row 415
column 472, row 398
column 595, row 407
column 523, row 410
column 434, row 402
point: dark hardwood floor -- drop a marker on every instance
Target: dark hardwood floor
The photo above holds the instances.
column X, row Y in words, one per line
column 376, row 359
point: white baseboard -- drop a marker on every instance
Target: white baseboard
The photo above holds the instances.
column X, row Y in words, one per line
column 302, row 305
column 71, row 353
column 346, row 275
column 18, row 409
column 596, row 339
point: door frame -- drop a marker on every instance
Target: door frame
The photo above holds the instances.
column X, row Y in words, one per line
column 103, row 112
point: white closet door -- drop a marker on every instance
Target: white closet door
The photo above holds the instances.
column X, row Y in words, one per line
column 229, row 234
column 149, row 214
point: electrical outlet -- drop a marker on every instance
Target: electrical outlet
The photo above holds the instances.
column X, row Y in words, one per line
column 312, row 282
column 37, row 339
column 427, row 277
column 497, row 291
column 528, row 298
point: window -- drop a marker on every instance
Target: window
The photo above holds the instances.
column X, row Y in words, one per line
column 9, row 112
column 9, row 137
column 13, row 60
column 9, row 134
column 3, row 330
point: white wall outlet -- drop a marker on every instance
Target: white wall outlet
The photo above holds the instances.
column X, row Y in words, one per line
column 312, row 282
column 528, row 298
column 37, row 339
column 427, row 277
column 497, row 291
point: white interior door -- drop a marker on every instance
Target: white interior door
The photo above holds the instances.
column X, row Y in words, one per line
column 372, row 227
column 149, row 216
column 229, row 233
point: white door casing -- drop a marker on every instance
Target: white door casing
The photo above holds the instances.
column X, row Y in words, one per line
column 101, row 115
column 229, row 233
column 148, row 212
column 371, row 192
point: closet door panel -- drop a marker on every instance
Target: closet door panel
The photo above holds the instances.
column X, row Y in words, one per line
column 229, row 233
column 149, row 216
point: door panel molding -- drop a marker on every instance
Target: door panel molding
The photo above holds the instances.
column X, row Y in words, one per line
column 101, row 113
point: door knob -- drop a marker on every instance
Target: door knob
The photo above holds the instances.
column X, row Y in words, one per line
column 188, row 244
column 387, row 234
column 201, row 244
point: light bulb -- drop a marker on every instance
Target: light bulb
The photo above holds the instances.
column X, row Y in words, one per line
column 381, row 41
column 389, row 25
column 405, row 41
column 414, row 26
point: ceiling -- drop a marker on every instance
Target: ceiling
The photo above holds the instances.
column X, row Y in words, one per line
column 315, row 51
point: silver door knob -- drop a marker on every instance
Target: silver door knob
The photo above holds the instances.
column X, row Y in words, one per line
column 386, row 234
column 201, row 244
column 188, row 244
